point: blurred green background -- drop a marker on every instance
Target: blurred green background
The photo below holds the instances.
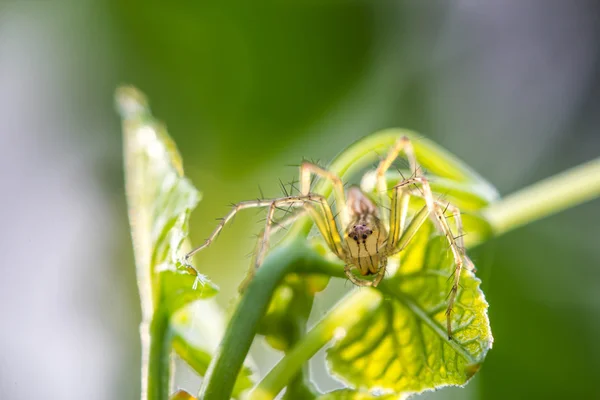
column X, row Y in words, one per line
column 246, row 90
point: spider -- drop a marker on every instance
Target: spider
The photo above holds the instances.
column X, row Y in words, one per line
column 371, row 233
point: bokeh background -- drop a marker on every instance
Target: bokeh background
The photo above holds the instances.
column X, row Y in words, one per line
column 511, row 87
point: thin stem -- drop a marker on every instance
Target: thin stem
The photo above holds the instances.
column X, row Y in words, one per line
column 300, row 387
column 349, row 311
column 549, row 196
column 226, row 364
column 159, row 366
column 293, row 256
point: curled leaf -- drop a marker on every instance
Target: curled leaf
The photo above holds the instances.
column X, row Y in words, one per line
column 159, row 201
column 403, row 346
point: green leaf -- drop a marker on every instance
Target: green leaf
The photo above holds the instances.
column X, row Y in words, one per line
column 159, row 200
column 181, row 288
column 403, row 346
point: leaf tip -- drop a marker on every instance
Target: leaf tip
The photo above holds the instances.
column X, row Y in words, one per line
column 471, row 370
column 130, row 101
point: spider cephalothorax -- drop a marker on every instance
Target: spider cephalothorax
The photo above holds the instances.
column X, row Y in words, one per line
column 370, row 232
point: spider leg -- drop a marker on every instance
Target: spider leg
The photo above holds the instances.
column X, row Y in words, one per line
column 307, row 168
column 261, row 237
column 399, row 207
column 381, row 272
column 402, row 144
column 363, row 282
column 407, row 235
column 456, row 215
column 325, row 222
column 323, row 218
column 242, row 206
column 285, row 221
column 437, row 212
column 460, row 235
column 264, row 243
column 398, row 212
column 354, row 279
column 272, row 204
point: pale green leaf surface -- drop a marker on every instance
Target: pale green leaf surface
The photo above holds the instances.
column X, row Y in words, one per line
column 160, row 199
column 403, row 346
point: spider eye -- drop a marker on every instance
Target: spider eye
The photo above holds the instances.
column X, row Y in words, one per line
column 355, row 237
column 370, row 231
column 364, row 236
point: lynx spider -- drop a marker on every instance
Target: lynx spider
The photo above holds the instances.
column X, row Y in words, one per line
column 372, row 233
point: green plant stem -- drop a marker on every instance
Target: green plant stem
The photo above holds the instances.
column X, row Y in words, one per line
column 350, row 310
column 226, row 364
column 300, row 387
column 295, row 255
column 159, row 365
column 549, row 196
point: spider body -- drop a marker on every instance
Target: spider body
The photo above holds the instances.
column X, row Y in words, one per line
column 368, row 232
column 365, row 235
